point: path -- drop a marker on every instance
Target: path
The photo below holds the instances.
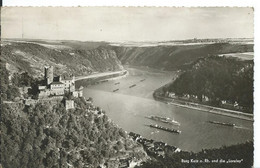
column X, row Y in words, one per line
column 97, row 75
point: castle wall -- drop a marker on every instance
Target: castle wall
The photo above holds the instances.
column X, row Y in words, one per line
column 69, row 84
column 57, row 87
column 57, row 92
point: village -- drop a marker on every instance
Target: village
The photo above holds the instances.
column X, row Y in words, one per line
column 152, row 147
column 226, row 108
column 205, row 100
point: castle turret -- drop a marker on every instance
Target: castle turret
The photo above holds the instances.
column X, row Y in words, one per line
column 48, row 70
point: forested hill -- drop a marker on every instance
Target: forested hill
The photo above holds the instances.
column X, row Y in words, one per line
column 46, row 135
column 218, row 78
column 175, row 57
column 77, row 58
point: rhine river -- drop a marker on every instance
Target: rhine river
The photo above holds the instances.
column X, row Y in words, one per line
column 128, row 108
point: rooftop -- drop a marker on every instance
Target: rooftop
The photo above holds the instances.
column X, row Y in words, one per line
column 53, row 83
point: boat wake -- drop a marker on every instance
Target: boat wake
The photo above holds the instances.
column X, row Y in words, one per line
column 166, row 120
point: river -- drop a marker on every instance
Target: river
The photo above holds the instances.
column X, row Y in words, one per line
column 128, row 108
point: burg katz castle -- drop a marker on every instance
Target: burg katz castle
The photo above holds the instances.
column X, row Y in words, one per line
column 57, row 86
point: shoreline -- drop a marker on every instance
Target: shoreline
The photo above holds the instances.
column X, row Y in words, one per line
column 204, row 108
column 101, row 77
column 103, row 74
column 120, row 76
column 171, row 101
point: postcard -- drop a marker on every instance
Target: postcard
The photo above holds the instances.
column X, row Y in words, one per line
column 143, row 87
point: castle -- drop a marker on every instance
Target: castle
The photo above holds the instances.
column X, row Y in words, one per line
column 57, row 86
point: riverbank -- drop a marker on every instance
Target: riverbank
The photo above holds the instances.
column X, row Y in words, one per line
column 100, row 75
column 201, row 107
column 129, row 107
column 99, row 78
column 154, row 148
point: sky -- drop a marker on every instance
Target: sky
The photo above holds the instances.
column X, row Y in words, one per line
column 126, row 24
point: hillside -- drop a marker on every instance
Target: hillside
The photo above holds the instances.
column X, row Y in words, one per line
column 82, row 58
column 66, row 57
column 177, row 56
column 46, row 135
column 217, row 81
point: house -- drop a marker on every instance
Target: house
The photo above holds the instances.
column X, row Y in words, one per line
column 69, row 104
column 160, row 152
column 227, row 104
column 78, row 92
column 171, row 94
column 205, row 98
column 57, row 88
column 69, row 82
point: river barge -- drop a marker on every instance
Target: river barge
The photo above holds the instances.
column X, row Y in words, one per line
column 165, row 129
column 115, row 90
column 164, row 120
column 222, row 123
column 132, row 86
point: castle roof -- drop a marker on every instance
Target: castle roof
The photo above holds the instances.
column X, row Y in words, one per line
column 56, row 83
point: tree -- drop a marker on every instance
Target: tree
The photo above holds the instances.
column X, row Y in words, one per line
column 218, row 78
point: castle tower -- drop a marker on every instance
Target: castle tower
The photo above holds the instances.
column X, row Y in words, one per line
column 48, row 76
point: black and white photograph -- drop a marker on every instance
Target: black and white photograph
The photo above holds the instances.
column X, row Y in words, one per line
column 127, row 87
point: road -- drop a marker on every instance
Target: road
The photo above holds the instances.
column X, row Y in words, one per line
column 97, row 75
